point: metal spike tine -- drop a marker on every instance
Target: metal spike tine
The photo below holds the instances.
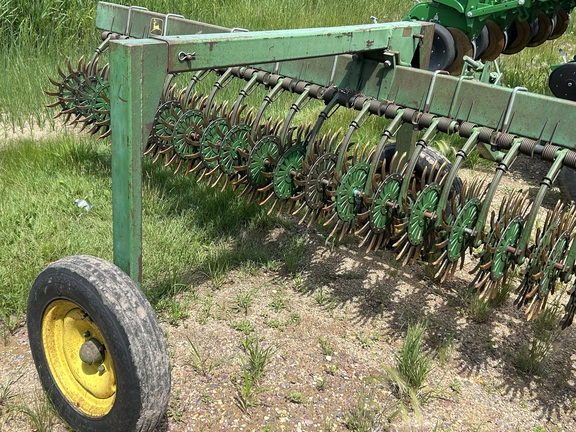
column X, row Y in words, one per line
column 80, row 64
column 442, row 173
column 69, row 66
column 439, row 259
column 462, row 260
column 281, row 209
column 363, row 229
column 252, row 196
column 179, row 166
column 423, row 176
column 329, row 221
column 481, row 282
column 299, row 209
column 61, row 73
column 315, row 216
column 105, row 71
column 344, row 230
column 226, row 183
column 380, row 241
column 363, row 153
column 404, row 252
column 55, row 83
column 212, row 171
column 106, row 134
column 442, row 244
column 266, row 189
column 201, row 174
column 229, row 122
column 334, row 139
column 441, row 272
column 277, row 126
column 365, row 240
column 400, row 241
column 218, row 179
column 93, row 68
column 224, row 108
column 306, row 213
column 169, row 161
column 428, row 180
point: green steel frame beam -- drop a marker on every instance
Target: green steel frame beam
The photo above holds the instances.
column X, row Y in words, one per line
column 136, row 77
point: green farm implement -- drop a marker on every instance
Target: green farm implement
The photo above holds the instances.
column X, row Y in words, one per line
column 207, row 101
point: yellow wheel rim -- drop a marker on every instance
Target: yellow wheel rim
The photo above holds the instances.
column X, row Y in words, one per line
column 90, row 388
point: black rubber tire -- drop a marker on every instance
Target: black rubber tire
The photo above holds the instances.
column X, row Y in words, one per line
column 429, row 158
column 134, row 339
column 443, row 50
column 567, row 179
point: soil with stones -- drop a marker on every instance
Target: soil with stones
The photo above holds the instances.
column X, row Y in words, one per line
column 331, row 334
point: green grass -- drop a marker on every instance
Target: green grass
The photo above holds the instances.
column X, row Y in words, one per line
column 188, row 228
column 412, row 362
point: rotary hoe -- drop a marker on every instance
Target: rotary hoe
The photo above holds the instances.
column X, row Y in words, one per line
column 257, row 114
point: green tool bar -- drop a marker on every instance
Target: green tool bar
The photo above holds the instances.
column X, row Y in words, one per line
column 206, row 51
column 139, row 22
column 522, row 113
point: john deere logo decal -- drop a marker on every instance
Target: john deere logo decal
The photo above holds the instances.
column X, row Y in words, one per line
column 156, row 27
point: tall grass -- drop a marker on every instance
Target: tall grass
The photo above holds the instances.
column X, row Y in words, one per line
column 37, row 35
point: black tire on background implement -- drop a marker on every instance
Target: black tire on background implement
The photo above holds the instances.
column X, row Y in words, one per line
column 567, row 179
column 430, row 161
column 80, row 292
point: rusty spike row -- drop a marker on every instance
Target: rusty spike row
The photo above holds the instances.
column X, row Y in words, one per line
column 510, row 208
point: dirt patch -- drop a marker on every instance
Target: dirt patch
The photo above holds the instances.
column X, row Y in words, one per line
column 332, row 332
column 30, row 131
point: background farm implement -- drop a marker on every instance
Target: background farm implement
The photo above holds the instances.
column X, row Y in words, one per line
column 258, row 114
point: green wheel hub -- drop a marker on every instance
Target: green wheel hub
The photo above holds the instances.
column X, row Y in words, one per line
column 290, row 163
column 98, row 101
column 166, row 116
column 261, row 159
column 349, row 192
column 382, row 215
column 418, row 223
column 234, row 140
column 502, row 257
column 318, row 179
column 459, row 237
column 209, row 144
column 92, row 99
column 557, row 254
column 185, row 133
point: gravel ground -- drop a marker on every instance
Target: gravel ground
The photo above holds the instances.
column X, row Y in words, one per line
column 333, row 333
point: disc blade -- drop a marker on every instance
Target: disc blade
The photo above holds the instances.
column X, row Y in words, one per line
column 496, row 42
column 543, row 30
column 518, row 36
column 562, row 21
column 463, row 48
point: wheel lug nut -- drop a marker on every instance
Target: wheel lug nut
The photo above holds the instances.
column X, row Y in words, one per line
column 86, row 334
column 101, row 368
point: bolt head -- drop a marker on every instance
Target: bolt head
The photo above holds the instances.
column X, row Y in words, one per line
column 469, row 14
